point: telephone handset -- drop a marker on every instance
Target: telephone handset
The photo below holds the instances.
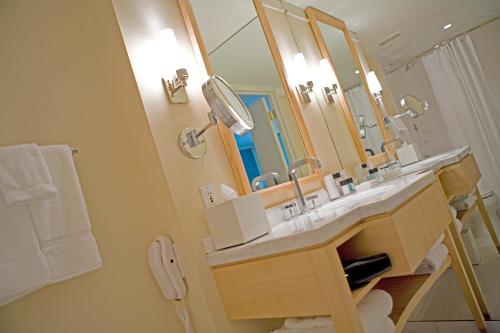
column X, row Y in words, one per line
column 167, row 268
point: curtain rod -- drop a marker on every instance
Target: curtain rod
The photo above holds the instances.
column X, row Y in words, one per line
column 286, row 12
column 438, row 45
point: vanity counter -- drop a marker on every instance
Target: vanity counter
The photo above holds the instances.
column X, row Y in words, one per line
column 437, row 162
column 336, row 217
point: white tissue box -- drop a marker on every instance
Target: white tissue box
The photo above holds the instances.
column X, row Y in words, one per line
column 237, row 221
column 407, row 155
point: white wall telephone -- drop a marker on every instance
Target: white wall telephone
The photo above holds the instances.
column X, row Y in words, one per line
column 169, row 274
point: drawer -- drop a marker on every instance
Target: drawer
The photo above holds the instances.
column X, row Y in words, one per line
column 406, row 235
column 460, row 178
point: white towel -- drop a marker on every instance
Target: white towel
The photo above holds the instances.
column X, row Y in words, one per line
column 433, row 260
column 387, row 326
column 373, row 310
column 453, row 211
column 464, row 202
column 62, row 223
column 23, row 267
column 438, row 242
column 459, row 224
column 24, row 176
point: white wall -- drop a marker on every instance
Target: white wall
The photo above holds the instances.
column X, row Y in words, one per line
column 433, row 137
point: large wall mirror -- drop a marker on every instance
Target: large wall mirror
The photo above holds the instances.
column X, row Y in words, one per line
column 234, row 46
column 336, row 45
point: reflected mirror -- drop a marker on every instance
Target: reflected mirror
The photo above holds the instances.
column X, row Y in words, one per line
column 355, row 92
column 238, row 51
column 413, row 107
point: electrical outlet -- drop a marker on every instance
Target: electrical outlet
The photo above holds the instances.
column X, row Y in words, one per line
column 208, row 195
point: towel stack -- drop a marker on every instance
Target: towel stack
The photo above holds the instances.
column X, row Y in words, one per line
column 373, row 310
column 464, row 202
column 45, row 233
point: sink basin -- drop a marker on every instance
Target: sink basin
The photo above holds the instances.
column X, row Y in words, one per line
column 359, row 197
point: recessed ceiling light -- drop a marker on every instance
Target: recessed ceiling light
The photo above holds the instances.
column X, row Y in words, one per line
column 356, row 72
column 448, row 26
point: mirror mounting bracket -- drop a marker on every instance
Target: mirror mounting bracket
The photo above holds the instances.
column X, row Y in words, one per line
column 303, row 91
column 176, row 87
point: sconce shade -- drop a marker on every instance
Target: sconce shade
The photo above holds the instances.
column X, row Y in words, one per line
column 373, row 83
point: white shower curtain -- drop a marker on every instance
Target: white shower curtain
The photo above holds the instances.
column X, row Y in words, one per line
column 467, row 108
column 358, row 102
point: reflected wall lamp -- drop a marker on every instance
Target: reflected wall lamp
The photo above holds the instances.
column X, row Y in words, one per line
column 328, row 90
column 305, row 86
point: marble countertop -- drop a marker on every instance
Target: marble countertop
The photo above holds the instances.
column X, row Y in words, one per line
column 333, row 218
column 326, row 222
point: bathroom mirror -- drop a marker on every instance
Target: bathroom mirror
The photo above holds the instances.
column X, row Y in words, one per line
column 237, row 48
column 413, row 107
column 336, row 45
column 226, row 107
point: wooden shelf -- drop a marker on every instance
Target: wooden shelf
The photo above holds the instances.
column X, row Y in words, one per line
column 408, row 291
column 360, row 293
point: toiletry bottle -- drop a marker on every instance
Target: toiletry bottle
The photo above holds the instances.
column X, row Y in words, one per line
column 365, row 171
column 331, row 187
column 347, row 186
column 337, row 177
column 373, row 174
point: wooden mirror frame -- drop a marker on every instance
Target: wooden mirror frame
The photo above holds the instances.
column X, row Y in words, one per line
column 233, row 154
column 315, row 15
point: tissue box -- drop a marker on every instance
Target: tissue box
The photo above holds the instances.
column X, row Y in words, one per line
column 237, row 221
column 407, row 155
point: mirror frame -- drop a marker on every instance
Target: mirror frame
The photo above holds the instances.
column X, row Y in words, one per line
column 233, row 154
column 315, row 15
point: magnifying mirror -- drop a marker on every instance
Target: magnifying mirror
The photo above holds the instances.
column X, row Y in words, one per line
column 226, row 106
column 413, row 106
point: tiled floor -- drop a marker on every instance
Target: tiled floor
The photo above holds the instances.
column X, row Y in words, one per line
column 450, row 327
column 444, row 308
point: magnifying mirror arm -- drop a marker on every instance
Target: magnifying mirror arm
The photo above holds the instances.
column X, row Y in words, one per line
column 213, row 121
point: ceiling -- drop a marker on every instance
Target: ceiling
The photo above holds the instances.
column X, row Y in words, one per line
column 420, row 22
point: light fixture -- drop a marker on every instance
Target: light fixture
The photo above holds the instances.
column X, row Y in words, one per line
column 176, row 76
column 374, row 85
column 226, row 107
column 356, row 71
column 448, row 26
column 331, row 89
column 304, row 86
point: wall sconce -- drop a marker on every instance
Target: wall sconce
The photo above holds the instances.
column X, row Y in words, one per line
column 374, row 86
column 305, row 86
column 175, row 79
column 328, row 90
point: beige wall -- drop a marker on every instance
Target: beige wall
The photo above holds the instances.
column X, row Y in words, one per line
column 66, row 79
column 141, row 22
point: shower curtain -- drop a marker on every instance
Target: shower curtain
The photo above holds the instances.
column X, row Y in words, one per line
column 466, row 105
column 359, row 104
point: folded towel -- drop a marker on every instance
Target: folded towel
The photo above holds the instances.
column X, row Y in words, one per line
column 62, row 223
column 24, row 176
column 464, row 202
column 459, row 224
column 23, row 267
column 387, row 326
column 453, row 211
column 438, row 242
column 373, row 310
column 433, row 260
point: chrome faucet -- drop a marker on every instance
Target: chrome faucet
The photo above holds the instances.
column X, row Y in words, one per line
column 271, row 178
column 385, row 143
column 292, row 175
column 395, row 139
